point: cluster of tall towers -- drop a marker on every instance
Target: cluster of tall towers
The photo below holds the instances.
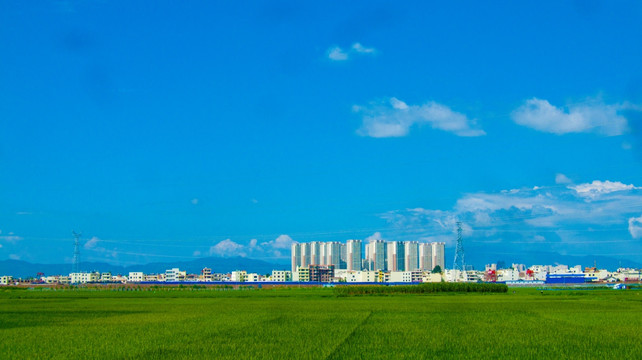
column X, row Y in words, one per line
column 378, row 255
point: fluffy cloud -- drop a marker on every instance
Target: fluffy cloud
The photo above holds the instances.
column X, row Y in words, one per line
column 595, row 117
column 597, row 188
column 92, row 243
column 394, row 118
column 273, row 248
column 635, row 227
column 228, row 247
column 336, row 53
column 562, row 179
column 281, row 242
column 357, row 47
column 375, row 236
column 596, row 209
column 14, row 257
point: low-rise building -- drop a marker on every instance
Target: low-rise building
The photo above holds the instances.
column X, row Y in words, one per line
column 430, row 277
column 154, row 277
column 84, row 277
column 281, row 275
column 206, row 275
column 400, row 276
column 239, row 276
column 119, row 278
column 175, row 275
column 253, row 277
column 321, row 273
column 136, row 277
column 6, row 280
column 302, row 274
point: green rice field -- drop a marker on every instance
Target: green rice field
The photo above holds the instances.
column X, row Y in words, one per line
column 318, row 323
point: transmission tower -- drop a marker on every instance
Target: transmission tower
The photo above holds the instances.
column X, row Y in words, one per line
column 76, row 263
column 459, row 263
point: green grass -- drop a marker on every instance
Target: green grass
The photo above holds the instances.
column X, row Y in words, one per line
column 315, row 323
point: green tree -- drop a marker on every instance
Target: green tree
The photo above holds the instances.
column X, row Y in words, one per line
column 436, row 270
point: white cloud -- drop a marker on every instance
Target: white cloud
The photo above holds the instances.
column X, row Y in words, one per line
column 394, row 118
column 281, row 242
column 336, row 53
column 228, row 247
column 362, row 49
column 375, row 236
column 635, row 227
column 194, row 201
column 91, row 243
column 14, row 257
column 597, row 188
column 196, row 253
column 11, row 238
column 595, row 117
column 562, row 179
column 0, row 246
column 272, row 248
column 598, row 208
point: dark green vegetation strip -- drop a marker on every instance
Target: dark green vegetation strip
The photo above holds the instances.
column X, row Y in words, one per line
column 427, row 288
column 316, row 324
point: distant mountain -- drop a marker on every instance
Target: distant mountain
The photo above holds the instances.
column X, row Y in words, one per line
column 23, row 269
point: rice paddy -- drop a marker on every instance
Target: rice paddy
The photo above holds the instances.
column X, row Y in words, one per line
column 318, row 323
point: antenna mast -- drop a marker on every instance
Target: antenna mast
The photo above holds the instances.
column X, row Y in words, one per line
column 459, row 263
column 76, row 263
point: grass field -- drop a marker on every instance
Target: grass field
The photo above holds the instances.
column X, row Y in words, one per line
column 316, row 324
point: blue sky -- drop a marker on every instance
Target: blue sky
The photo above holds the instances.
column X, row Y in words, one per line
column 166, row 131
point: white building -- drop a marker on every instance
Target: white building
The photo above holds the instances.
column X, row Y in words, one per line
column 83, row 277
column 411, row 253
column 425, row 257
column 395, row 256
column 239, row 275
column 430, row 277
column 175, row 275
column 296, row 256
column 333, row 256
column 136, row 277
column 438, row 255
column 315, row 253
column 376, row 255
column 508, row 274
column 281, row 275
column 401, row 276
column 6, row 280
column 353, row 254
column 119, row 278
column 305, row 255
